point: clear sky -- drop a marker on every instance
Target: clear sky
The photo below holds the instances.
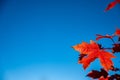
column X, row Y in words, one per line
column 36, row 36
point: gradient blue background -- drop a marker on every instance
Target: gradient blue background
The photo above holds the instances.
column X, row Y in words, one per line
column 36, row 37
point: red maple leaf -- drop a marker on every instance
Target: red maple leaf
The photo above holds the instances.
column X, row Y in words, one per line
column 112, row 4
column 97, row 74
column 93, row 51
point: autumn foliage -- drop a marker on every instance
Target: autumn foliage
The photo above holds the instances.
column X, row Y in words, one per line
column 93, row 51
column 89, row 52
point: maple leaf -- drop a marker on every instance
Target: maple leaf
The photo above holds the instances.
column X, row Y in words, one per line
column 97, row 74
column 94, row 74
column 101, row 36
column 111, row 5
column 92, row 52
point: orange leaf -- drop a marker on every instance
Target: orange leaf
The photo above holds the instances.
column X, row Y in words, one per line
column 92, row 52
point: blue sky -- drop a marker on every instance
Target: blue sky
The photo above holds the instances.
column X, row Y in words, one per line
column 36, row 36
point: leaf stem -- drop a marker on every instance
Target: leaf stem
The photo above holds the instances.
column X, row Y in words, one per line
column 112, row 40
column 107, row 48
